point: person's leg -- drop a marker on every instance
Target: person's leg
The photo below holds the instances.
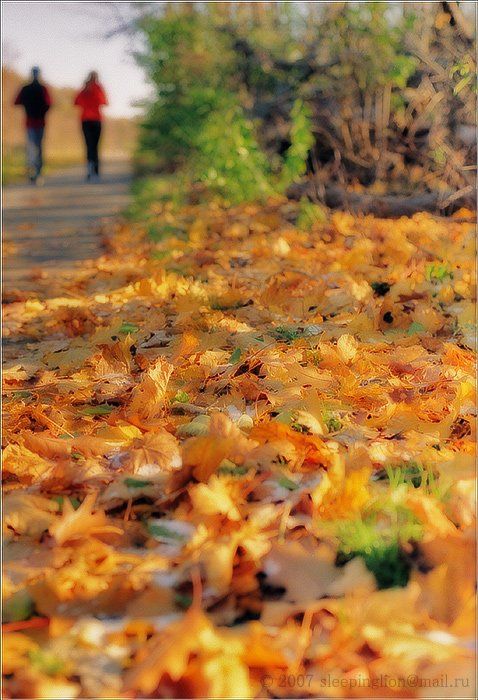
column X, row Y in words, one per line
column 96, row 139
column 31, row 153
column 39, row 150
column 86, row 127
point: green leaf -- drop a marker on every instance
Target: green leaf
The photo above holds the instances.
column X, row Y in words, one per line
column 333, row 424
column 310, row 214
column 198, row 426
column 286, row 417
column 438, row 272
column 132, row 483
column 183, row 600
column 287, row 483
column 46, row 661
column 177, row 269
column 128, row 328
column 160, row 254
column 299, row 427
column 462, row 83
column 74, row 501
column 286, row 334
column 19, row 606
column 181, row 397
column 416, row 327
column 101, row 410
column 164, row 532
column 59, row 500
column 22, row 395
column 235, row 356
column 229, row 468
column 158, row 233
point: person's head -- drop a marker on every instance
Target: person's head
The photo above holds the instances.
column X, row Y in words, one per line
column 91, row 78
column 35, row 73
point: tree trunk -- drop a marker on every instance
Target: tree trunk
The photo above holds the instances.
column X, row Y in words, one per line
column 391, row 206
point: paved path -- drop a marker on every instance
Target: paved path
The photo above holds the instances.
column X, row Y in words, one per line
column 55, row 226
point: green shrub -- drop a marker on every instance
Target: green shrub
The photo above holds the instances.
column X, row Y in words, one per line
column 229, row 160
column 188, row 67
column 310, row 214
column 302, row 140
column 196, row 119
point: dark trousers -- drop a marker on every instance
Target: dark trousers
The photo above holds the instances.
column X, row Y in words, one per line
column 34, row 150
column 92, row 133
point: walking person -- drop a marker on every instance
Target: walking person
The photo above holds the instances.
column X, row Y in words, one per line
column 90, row 99
column 36, row 101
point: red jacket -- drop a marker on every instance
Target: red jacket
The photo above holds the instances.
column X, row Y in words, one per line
column 90, row 99
column 36, row 101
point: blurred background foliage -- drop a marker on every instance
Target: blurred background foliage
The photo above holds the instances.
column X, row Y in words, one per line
column 248, row 98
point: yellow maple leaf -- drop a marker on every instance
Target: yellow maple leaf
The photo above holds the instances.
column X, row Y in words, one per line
column 341, row 494
column 82, row 522
column 24, row 464
column 27, row 513
column 147, row 398
column 215, row 498
column 158, row 449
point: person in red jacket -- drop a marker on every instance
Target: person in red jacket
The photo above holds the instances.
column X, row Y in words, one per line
column 36, row 101
column 90, row 99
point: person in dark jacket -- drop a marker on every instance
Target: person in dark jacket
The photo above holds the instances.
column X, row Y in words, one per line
column 90, row 99
column 36, row 101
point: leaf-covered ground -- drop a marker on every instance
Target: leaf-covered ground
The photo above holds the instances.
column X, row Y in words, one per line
column 239, row 462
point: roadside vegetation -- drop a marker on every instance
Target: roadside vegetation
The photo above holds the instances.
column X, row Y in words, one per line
column 361, row 98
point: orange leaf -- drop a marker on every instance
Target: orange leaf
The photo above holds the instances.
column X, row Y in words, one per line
column 205, row 453
column 314, row 450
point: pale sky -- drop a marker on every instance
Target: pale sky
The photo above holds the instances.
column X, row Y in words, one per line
column 66, row 39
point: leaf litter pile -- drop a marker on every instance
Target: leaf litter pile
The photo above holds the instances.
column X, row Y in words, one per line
column 239, row 462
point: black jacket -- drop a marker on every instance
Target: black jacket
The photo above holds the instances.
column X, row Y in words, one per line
column 35, row 99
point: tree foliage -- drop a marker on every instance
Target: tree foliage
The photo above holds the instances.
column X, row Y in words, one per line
column 359, row 93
